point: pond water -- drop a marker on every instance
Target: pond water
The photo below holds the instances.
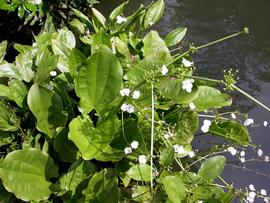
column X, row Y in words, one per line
column 212, row 19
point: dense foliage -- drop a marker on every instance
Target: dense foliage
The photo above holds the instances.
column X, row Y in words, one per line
column 101, row 111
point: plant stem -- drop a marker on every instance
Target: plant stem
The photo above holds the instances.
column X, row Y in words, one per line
column 152, row 134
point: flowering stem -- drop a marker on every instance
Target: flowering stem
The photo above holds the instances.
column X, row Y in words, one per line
column 152, row 134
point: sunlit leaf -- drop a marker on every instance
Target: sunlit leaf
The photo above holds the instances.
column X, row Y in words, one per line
column 3, row 47
column 8, row 121
column 175, row 36
column 166, row 156
column 175, row 188
column 140, row 172
column 18, row 92
column 154, row 13
column 118, row 11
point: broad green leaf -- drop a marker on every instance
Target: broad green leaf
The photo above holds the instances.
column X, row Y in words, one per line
column 75, row 60
column 141, row 193
column 155, row 48
column 5, row 138
column 47, row 107
column 121, row 46
column 175, row 188
column 78, row 25
column 102, row 187
column 91, row 141
column 76, row 175
column 67, row 37
column 9, row 70
column 140, row 172
column 118, row 11
column 110, row 154
column 99, row 81
column 21, row 11
column 26, row 173
column 212, row 167
column 166, row 156
column 101, row 38
column 18, row 92
column 175, row 36
column 65, row 148
column 99, row 16
column 3, row 47
column 46, row 62
column 204, row 192
column 172, row 89
column 209, row 97
column 82, row 17
column 231, row 130
column 4, row 92
column 24, row 64
column 187, row 124
column 8, row 120
column 25, row 49
column 154, row 13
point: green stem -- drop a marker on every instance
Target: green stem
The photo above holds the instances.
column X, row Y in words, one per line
column 152, row 133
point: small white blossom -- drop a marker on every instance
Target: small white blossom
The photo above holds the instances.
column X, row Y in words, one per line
column 142, row 159
column 179, row 149
column 151, row 23
column 251, row 187
column 125, row 92
column 252, row 194
column 134, row 144
column 124, row 107
column 206, row 125
column 164, row 70
column 191, row 106
column 130, row 108
column 187, row 85
column 186, row 63
column 263, row 192
column 242, row 153
column 265, row 123
column 233, row 115
column 242, row 159
column 191, row 154
column 167, row 135
column 266, row 159
column 120, row 19
column 53, row 73
column 136, row 94
column 128, row 150
column 250, row 199
column 200, row 201
column 266, row 200
column 248, row 122
column 36, row 2
column 260, row 152
column 232, row 150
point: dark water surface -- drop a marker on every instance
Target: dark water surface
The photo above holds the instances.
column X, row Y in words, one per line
column 209, row 20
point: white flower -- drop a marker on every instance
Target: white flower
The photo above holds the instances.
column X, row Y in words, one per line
column 260, row 152
column 187, row 85
column 191, row 105
column 125, row 92
column 250, row 199
column 120, row 19
column 186, row 63
column 164, row 70
column 248, row 122
column 128, row 150
column 233, row 115
column 191, row 154
column 263, row 192
column 53, row 73
column 242, row 153
column 251, row 187
column 130, row 108
column 242, row 159
column 266, row 200
column 151, row 23
column 252, row 194
column 179, row 149
column 136, row 94
column 142, row 159
column 265, row 123
column 134, row 144
column 167, row 135
column 232, row 150
column 206, row 125
column 36, row 2
column 266, row 159
column 124, row 107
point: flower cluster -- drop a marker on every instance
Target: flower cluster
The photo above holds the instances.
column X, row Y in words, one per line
column 206, row 125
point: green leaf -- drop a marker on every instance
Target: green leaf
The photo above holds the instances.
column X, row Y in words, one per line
column 166, row 156
column 154, row 13
column 231, row 130
column 78, row 25
column 100, row 38
column 9, row 70
column 118, row 11
column 140, row 172
column 209, row 97
column 75, row 60
column 4, row 92
column 8, row 121
column 21, row 11
column 172, row 89
column 175, row 188
column 82, row 17
column 212, row 167
column 46, row 62
column 154, row 47
column 99, row 81
column 22, row 170
column 47, row 107
column 24, row 64
column 229, row 196
column 175, row 36
column 99, row 16
column 110, row 154
column 66, row 149
column 77, row 174
column 3, row 47
column 102, row 187
column 5, row 138
column 66, row 37
column 18, row 92
column 141, row 193
column 91, row 141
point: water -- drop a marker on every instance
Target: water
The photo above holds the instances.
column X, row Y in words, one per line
column 212, row 19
